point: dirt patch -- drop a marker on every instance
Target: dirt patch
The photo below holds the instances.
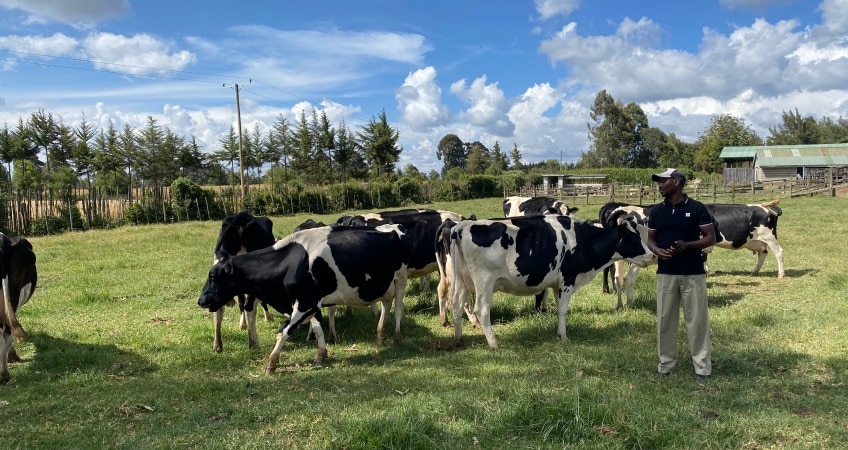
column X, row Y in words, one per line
column 842, row 192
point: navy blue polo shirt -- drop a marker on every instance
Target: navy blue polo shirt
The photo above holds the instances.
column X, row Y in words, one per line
column 679, row 222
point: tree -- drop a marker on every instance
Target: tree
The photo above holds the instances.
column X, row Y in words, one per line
column 795, row 130
column 129, row 151
column 302, row 148
column 325, row 147
column 378, row 142
column 724, row 130
column 639, row 154
column 347, row 159
column 497, row 162
column 612, row 133
column 451, row 150
column 478, row 158
column 228, row 153
column 515, row 156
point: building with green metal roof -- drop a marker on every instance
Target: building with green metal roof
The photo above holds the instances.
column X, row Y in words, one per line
column 773, row 162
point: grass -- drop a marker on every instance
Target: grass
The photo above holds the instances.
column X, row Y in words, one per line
column 119, row 355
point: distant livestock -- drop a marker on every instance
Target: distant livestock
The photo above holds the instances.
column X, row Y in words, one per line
column 535, row 206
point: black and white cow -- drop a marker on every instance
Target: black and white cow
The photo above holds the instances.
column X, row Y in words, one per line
column 420, row 225
column 751, row 226
column 19, row 277
column 535, row 206
column 313, row 268
column 242, row 233
column 526, row 255
column 610, row 215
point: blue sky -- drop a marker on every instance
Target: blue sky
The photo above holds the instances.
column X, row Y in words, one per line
column 519, row 72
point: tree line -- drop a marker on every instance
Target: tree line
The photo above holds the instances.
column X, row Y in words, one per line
column 620, row 136
column 130, row 163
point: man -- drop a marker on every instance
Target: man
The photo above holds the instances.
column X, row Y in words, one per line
column 678, row 228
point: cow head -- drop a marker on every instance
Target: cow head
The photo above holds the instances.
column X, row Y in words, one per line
column 633, row 245
column 220, row 285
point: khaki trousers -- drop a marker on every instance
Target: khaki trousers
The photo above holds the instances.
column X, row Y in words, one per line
column 690, row 291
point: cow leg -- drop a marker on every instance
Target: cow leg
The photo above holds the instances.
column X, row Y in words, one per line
column 285, row 330
column 381, row 323
column 542, row 301
column 13, row 355
column 319, row 336
column 400, row 291
column 331, row 320
column 217, row 318
column 375, row 310
column 243, row 304
column 483, row 308
column 268, row 316
column 562, row 310
column 606, row 289
column 619, row 281
column 5, row 346
column 775, row 248
column 252, row 336
column 630, row 285
column 459, row 294
column 469, row 311
column 442, row 291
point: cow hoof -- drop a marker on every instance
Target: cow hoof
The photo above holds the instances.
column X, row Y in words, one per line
column 217, row 349
column 13, row 356
column 396, row 342
column 320, row 357
column 253, row 345
column 4, row 378
column 270, row 369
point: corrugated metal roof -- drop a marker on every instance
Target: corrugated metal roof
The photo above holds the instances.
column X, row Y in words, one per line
column 790, row 155
column 738, row 152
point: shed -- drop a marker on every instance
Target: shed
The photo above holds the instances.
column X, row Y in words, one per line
column 571, row 183
column 772, row 162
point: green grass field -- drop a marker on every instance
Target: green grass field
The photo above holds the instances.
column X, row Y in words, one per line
column 119, row 355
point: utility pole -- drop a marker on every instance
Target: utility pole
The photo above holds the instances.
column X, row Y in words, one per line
column 241, row 164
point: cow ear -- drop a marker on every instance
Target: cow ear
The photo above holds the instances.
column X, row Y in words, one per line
column 572, row 210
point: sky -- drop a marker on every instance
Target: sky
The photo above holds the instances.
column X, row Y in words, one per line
column 518, row 72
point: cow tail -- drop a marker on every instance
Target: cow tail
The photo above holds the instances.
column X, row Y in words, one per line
column 443, row 244
column 8, row 316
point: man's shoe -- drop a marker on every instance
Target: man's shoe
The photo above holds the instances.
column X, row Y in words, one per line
column 701, row 378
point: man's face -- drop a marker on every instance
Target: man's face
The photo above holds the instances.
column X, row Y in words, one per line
column 667, row 186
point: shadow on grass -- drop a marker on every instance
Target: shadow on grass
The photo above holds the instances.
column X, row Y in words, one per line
column 56, row 357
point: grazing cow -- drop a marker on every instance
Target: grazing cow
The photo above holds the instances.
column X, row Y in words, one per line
column 752, row 226
column 313, row 268
column 242, row 233
column 309, row 223
column 535, row 206
column 526, row 255
column 19, row 277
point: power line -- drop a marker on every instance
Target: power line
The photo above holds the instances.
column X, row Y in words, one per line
column 93, row 61
column 107, row 71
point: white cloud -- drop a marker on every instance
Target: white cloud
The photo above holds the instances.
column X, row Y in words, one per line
column 835, row 15
column 135, row 55
column 56, row 44
column 550, row 8
column 420, row 100
column 79, row 13
column 487, row 105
